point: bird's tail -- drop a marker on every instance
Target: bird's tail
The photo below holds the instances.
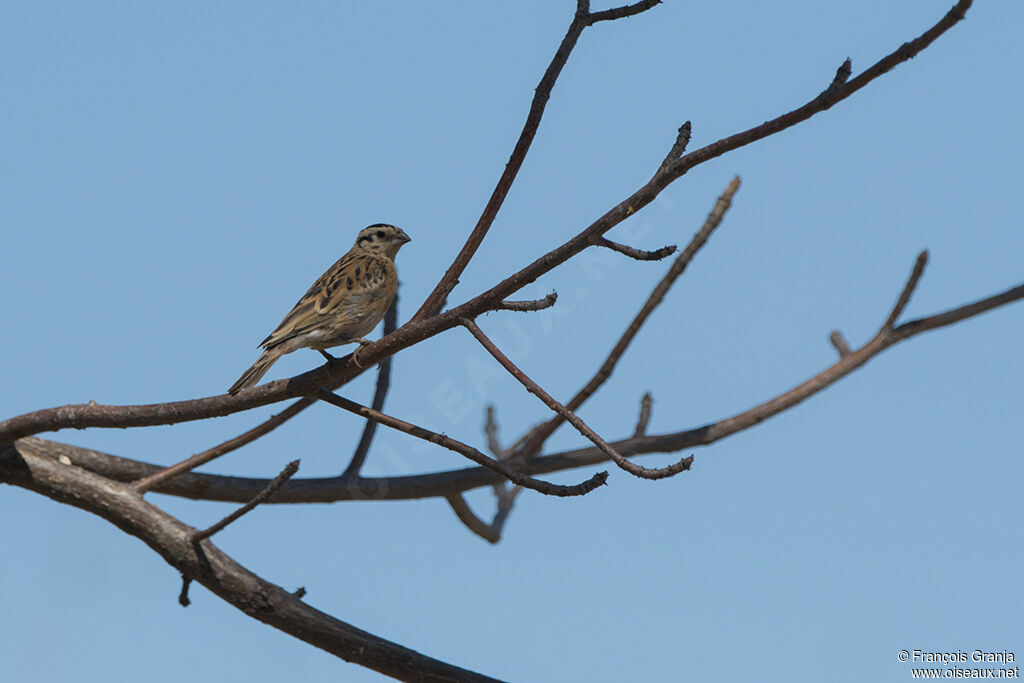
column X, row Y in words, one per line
column 258, row 369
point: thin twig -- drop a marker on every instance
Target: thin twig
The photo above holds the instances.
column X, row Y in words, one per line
column 583, row 18
column 379, row 394
column 491, row 432
column 277, row 482
column 569, row 416
column 638, row 254
column 839, row 342
column 645, row 415
column 908, row 290
column 678, row 147
column 621, row 12
column 464, row 449
column 839, row 89
column 183, row 595
column 533, row 441
column 189, row 464
column 533, row 305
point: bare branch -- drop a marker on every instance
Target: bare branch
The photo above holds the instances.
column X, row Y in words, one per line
column 838, row 90
column 276, row 483
column 682, row 140
column 183, row 595
column 950, row 317
column 908, row 290
column 839, row 342
column 21, row 466
column 189, row 464
column 465, row 449
column 645, row 415
column 570, row 417
column 489, row 532
column 533, row 441
column 425, row 324
column 583, row 18
column 466, row 515
column 620, row 12
column 333, row 489
column 638, row 254
column 491, row 432
column 534, row 305
column 842, row 76
column 379, row 394
column 436, row 299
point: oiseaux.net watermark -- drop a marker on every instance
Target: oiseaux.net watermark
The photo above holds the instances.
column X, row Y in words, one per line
column 991, row 664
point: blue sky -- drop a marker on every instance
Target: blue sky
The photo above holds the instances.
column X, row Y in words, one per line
column 174, row 176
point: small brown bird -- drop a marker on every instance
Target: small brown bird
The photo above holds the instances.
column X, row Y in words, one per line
column 345, row 303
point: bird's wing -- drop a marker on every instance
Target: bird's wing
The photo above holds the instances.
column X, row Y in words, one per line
column 352, row 274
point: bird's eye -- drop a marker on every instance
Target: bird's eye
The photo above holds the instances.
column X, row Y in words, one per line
column 380, row 234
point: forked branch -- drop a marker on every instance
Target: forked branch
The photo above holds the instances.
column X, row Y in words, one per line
column 425, row 324
column 572, row 418
column 534, row 440
column 464, row 449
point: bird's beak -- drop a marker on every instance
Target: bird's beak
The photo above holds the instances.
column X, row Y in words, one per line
column 402, row 236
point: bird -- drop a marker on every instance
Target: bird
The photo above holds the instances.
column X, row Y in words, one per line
column 344, row 303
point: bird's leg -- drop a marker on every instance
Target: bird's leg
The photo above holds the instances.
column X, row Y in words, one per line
column 355, row 354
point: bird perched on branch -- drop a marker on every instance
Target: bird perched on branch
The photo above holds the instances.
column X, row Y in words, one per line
column 345, row 303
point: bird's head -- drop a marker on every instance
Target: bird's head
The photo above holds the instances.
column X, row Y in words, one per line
column 382, row 238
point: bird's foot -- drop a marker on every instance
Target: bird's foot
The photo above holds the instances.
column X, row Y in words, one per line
column 355, row 354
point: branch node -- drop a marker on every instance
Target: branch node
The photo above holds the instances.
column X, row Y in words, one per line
column 678, row 147
column 568, row 415
column 634, row 253
column 842, row 76
column 908, row 291
column 839, row 342
column 466, row 450
column 299, row 592
column 183, row 595
column 645, row 415
column 532, row 441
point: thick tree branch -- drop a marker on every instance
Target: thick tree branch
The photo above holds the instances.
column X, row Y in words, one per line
column 21, row 466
